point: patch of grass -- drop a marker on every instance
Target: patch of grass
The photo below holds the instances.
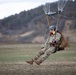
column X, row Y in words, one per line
column 63, row 56
column 23, row 52
column 11, row 56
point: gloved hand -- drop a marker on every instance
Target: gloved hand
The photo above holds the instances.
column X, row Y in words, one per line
column 53, row 42
column 42, row 46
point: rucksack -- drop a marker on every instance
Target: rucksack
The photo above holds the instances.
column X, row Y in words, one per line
column 64, row 42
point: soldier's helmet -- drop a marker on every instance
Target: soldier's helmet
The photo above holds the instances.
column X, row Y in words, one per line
column 52, row 27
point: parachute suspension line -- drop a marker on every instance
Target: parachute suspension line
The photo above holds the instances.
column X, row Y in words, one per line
column 47, row 11
column 46, row 8
column 48, row 19
column 61, row 4
column 58, row 18
column 58, row 15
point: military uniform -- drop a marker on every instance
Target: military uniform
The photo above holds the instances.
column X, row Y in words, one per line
column 49, row 47
column 55, row 42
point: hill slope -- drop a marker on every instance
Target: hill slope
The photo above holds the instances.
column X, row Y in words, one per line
column 31, row 26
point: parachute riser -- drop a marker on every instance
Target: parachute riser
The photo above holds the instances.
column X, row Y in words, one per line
column 57, row 24
column 48, row 20
column 47, row 12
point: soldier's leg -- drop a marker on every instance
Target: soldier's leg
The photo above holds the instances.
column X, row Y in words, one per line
column 41, row 52
column 51, row 50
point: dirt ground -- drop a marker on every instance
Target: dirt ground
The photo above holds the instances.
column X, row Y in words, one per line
column 13, row 57
column 46, row 68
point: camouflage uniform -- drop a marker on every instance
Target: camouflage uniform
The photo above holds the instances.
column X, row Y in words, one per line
column 55, row 42
column 49, row 48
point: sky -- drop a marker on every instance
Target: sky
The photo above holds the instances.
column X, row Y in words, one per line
column 11, row 7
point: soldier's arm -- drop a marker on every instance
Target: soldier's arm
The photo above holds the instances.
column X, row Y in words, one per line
column 58, row 37
column 46, row 43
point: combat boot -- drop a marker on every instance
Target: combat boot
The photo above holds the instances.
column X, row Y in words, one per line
column 38, row 62
column 30, row 62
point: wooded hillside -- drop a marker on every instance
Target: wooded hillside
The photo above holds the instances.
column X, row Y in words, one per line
column 31, row 26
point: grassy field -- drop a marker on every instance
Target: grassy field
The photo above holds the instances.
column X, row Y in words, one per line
column 13, row 57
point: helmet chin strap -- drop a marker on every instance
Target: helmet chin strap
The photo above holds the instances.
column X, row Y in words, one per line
column 52, row 33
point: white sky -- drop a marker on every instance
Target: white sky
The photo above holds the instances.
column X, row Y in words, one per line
column 11, row 7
